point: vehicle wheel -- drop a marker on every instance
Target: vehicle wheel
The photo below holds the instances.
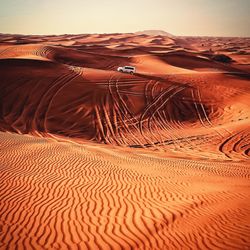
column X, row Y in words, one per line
column 131, row 73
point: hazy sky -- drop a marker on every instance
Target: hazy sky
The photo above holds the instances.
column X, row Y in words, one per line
column 179, row 17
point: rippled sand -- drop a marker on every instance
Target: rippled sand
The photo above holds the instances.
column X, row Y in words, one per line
column 91, row 158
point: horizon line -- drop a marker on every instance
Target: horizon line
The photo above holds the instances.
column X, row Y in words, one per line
column 110, row 33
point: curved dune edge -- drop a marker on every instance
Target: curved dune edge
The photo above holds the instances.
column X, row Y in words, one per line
column 198, row 115
column 59, row 195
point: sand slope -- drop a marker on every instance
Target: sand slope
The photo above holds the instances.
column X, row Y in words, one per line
column 93, row 197
column 91, row 158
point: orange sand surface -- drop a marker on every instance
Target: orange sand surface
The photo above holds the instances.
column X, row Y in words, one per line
column 91, row 158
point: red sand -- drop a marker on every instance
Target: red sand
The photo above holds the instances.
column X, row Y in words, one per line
column 93, row 158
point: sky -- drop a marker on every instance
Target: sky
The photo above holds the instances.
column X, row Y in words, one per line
column 179, row 17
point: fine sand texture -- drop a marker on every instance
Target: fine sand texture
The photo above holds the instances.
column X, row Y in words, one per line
column 91, row 158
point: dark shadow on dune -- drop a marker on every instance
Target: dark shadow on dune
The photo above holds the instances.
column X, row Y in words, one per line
column 48, row 97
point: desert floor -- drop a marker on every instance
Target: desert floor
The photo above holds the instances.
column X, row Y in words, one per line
column 91, row 158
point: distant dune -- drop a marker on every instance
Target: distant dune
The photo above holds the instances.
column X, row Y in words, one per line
column 154, row 33
column 91, row 158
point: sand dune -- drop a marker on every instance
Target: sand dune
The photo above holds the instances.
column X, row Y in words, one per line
column 97, row 197
column 91, row 158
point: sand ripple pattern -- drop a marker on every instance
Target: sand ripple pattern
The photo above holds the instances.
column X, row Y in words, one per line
column 90, row 197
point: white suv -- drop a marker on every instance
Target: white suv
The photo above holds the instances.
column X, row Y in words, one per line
column 126, row 69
